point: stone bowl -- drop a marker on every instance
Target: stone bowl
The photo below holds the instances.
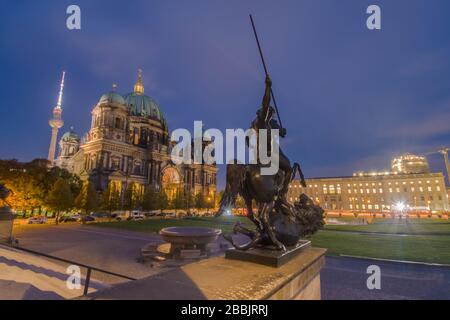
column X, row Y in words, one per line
column 190, row 235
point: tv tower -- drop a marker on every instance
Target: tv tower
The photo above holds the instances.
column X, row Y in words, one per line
column 56, row 122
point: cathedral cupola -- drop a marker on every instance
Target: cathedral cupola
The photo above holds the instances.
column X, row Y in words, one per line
column 139, row 87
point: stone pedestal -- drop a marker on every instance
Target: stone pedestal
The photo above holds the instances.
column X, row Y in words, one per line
column 225, row 279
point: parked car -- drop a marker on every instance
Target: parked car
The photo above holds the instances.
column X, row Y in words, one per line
column 101, row 215
column 87, row 218
column 71, row 218
column 37, row 220
column 135, row 215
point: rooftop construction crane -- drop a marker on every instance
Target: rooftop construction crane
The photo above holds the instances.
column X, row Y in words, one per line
column 444, row 151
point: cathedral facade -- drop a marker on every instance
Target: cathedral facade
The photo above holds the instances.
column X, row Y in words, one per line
column 129, row 144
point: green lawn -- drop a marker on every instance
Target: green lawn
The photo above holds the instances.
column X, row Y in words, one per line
column 412, row 226
column 433, row 249
column 426, row 240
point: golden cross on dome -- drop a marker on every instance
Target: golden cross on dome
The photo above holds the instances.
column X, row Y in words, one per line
column 139, row 87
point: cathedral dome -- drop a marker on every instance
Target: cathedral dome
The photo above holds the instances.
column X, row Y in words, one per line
column 141, row 105
column 70, row 136
column 112, row 97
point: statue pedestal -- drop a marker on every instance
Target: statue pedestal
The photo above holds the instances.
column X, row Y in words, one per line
column 225, row 279
column 273, row 258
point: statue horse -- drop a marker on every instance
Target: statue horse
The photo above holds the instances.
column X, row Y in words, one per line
column 278, row 223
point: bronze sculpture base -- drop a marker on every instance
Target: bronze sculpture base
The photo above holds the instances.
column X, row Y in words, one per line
column 265, row 256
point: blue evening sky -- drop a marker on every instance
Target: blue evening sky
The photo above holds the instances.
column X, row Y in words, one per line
column 350, row 98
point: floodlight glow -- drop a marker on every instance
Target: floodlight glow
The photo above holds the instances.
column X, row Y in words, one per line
column 399, row 206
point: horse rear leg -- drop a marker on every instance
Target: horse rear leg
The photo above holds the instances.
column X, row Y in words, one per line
column 267, row 208
column 251, row 215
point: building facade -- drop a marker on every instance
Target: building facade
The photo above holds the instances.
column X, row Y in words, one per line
column 128, row 143
column 377, row 192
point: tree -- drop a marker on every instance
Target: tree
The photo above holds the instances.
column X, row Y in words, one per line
column 190, row 201
column 199, row 201
column 128, row 197
column 179, row 202
column 87, row 199
column 110, row 198
column 32, row 182
column 60, row 197
column 163, row 201
column 150, row 199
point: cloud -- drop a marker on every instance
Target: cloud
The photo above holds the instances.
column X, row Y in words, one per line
column 426, row 128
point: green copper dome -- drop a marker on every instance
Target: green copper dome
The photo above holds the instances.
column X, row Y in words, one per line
column 112, row 97
column 143, row 106
column 70, row 136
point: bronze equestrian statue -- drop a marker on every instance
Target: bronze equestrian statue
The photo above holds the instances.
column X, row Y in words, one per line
column 277, row 223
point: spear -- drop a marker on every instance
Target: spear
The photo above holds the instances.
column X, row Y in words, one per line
column 265, row 70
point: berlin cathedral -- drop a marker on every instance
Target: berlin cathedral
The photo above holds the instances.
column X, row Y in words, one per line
column 129, row 143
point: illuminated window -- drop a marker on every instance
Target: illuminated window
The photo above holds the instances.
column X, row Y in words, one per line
column 429, row 188
column 374, row 190
column 397, row 189
column 380, row 190
column 421, row 189
column 367, row 190
column 331, row 189
column 390, row 190
column 438, row 188
column 412, row 189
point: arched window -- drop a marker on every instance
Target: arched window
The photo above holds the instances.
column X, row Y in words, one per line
column 143, row 139
column 136, row 136
column 137, row 168
column 118, row 124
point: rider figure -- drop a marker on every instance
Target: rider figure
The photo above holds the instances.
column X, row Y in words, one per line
column 264, row 120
